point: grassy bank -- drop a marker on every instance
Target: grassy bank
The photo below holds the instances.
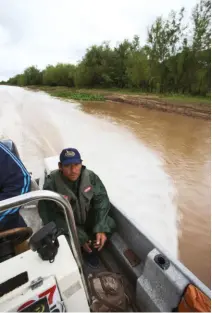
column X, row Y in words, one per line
column 187, row 105
column 98, row 94
column 70, row 93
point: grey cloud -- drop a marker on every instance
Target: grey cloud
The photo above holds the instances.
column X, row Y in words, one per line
column 46, row 32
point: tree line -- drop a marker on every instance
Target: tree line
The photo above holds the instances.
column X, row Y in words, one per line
column 175, row 59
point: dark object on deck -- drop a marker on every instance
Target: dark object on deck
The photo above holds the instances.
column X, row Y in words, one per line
column 45, row 242
column 13, row 283
column 91, row 259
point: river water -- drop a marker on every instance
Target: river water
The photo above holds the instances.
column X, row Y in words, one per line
column 155, row 165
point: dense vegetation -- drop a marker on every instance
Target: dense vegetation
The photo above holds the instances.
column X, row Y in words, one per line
column 175, row 59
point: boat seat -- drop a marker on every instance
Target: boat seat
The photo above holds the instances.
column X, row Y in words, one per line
column 12, row 238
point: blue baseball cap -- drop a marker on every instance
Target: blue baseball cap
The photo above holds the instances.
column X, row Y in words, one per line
column 70, row 156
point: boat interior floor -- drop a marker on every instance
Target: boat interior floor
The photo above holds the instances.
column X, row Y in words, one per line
column 108, row 263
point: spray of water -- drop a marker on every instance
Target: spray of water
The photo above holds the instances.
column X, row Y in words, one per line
column 133, row 174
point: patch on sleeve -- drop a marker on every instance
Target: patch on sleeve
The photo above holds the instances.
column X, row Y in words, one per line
column 87, row 189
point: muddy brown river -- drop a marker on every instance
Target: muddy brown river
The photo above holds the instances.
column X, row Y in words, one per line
column 155, row 165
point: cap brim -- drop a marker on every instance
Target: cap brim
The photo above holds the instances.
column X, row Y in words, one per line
column 71, row 161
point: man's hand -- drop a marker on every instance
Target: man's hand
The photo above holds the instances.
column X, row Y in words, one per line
column 100, row 240
column 86, row 247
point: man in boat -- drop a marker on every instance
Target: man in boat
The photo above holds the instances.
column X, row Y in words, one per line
column 14, row 181
column 89, row 201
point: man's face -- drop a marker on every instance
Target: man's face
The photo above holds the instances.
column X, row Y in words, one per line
column 71, row 171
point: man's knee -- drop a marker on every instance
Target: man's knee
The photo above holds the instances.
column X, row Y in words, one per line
column 22, row 247
column 12, row 221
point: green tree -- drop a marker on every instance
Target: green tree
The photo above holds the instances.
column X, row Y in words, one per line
column 59, row 75
column 32, row 76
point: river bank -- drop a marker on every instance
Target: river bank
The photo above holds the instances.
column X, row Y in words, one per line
column 190, row 106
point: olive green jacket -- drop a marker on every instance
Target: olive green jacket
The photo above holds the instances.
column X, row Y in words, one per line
column 90, row 204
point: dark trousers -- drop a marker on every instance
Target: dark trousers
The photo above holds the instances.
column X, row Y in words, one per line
column 12, row 221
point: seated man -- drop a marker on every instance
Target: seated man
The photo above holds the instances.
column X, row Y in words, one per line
column 14, row 181
column 89, row 200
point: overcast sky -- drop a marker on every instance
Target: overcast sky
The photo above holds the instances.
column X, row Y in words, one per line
column 42, row 32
